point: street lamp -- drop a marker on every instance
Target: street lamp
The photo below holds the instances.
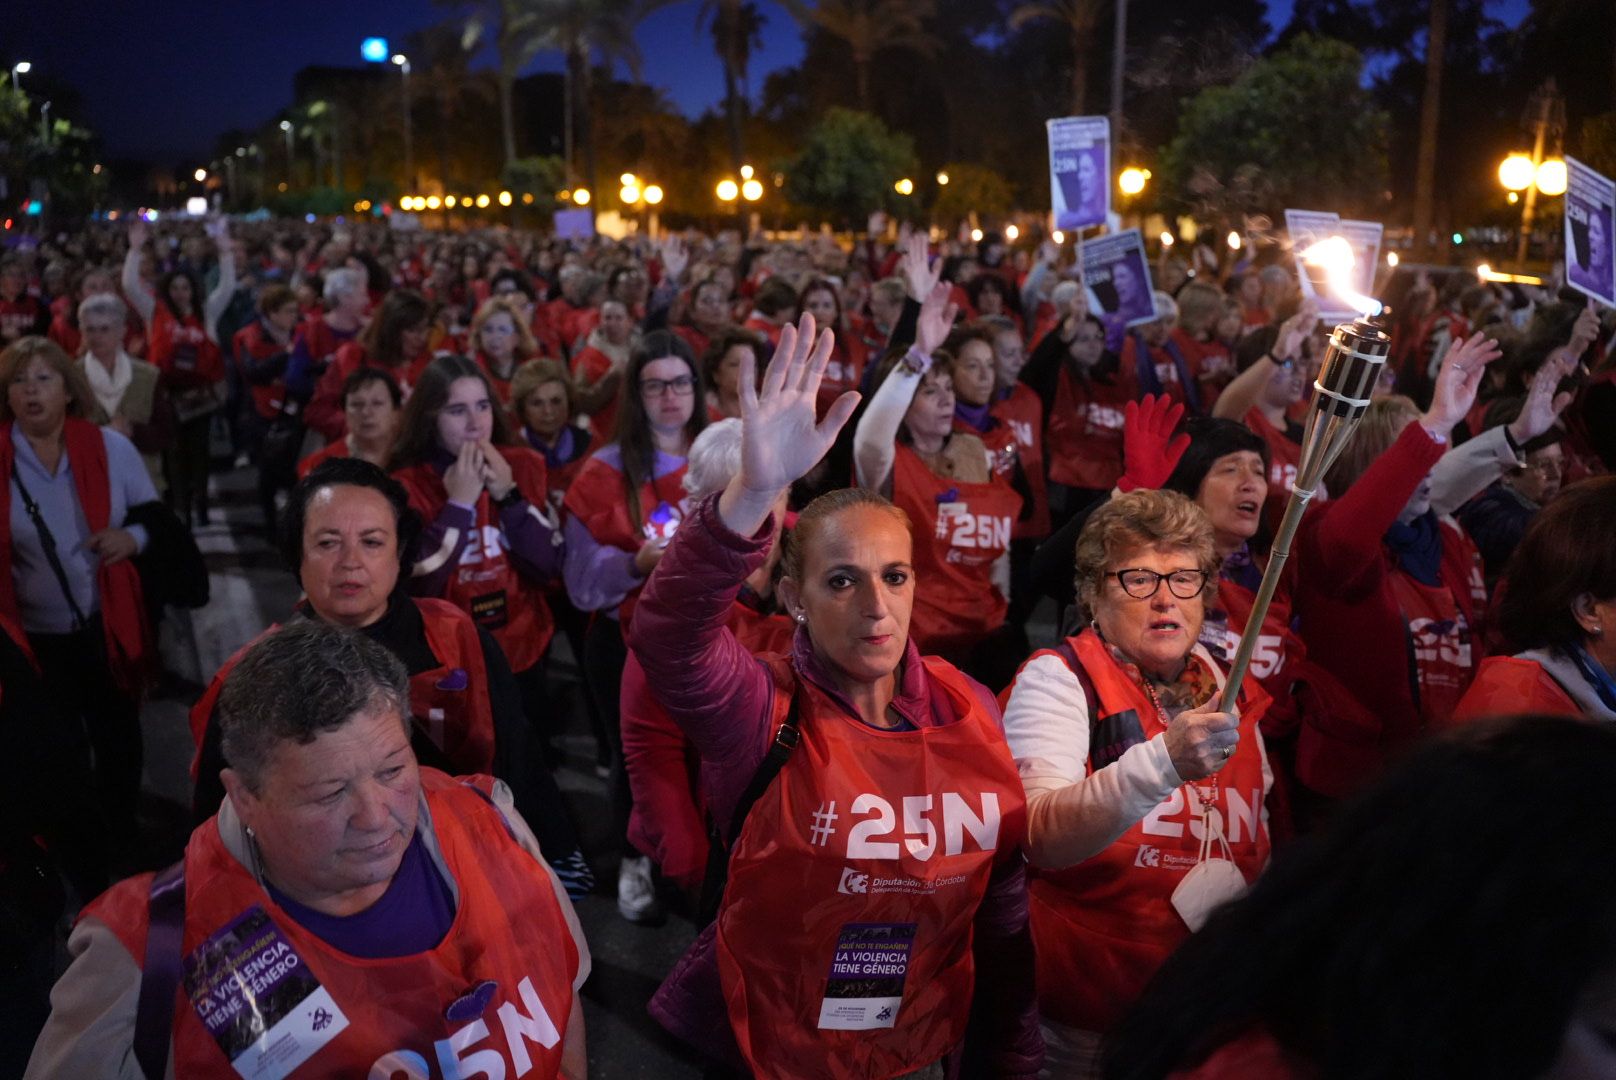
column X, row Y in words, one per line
column 942, row 179
column 752, row 190
column 1516, row 172
column 1551, row 177
column 1132, row 180
column 201, row 176
column 727, row 190
column 905, row 186
column 403, row 64
column 286, row 129
column 21, row 67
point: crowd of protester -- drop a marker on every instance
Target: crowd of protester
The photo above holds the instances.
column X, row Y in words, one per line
column 901, row 590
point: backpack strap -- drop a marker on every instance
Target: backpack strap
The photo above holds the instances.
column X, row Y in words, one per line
column 720, row 847
column 160, row 973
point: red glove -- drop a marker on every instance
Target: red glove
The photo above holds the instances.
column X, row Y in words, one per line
column 1150, row 451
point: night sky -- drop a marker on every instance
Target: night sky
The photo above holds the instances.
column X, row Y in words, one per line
column 160, row 79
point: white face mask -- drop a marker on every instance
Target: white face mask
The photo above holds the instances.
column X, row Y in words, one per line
column 1214, row 881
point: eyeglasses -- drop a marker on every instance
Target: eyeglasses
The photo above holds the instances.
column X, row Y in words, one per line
column 1546, row 468
column 681, row 386
column 1142, row 584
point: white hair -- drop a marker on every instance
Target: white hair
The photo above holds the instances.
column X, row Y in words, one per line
column 105, row 304
column 340, row 282
column 1064, row 294
column 715, row 458
column 1166, row 306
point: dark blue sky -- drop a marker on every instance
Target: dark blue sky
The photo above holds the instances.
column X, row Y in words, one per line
column 162, row 78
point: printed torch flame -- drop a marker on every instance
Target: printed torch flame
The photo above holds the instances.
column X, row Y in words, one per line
column 1346, row 380
column 1334, row 256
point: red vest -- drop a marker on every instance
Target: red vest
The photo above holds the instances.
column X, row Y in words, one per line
column 1102, row 928
column 1279, row 649
column 371, row 1017
column 252, row 344
column 843, row 372
column 182, row 350
column 589, row 367
column 844, row 937
column 18, row 318
column 960, row 530
column 338, row 449
column 1510, row 686
column 128, row 637
column 1023, row 414
column 596, row 498
column 487, row 584
column 1084, row 435
column 1444, row 623
column 449, row 702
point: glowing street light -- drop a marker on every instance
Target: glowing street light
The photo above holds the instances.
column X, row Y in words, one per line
column 752, row 190
column 653, row 194
column 504, row 198
column 746, row 172
column 1516, row 172
column 904, row 186
column 1166, row 239
column 1012, row 233
column 1551, row 177
column 200, row 175
column 451, row 202
column 433, row 202
column 581, row 197
column 942, row 179
column 628, row 179
column 976, row 236
column 21, row 67
column 727, row 190
column 630, row 194
column 483, row 201
column 1132, row 180
column 375, row 50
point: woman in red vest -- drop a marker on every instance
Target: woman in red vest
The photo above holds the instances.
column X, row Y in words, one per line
column 491, row 544
column 1084, row 390
column 395, row 341
column 68, row 580
column 364, row 912
column 182, row 328
column 1146, row 805
column 820, row 299
column 542, row 399
column 1352, row 942
column 1390, row 595
column 898, row 930
column 371, row 405
column 501, row 341
column 1560, row 612
column 347, row 531
column 962, row 510
column 622, row 509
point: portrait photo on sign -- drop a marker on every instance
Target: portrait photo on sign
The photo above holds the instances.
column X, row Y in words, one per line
column 1590, row 243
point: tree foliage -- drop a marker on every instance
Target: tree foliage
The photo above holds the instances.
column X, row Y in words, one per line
column 848, row 164
column 1296, row 129
column 971, row 188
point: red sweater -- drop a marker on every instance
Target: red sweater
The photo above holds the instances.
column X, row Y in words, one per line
column 1350, row 618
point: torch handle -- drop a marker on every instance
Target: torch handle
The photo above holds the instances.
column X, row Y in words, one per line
column 1278, row 554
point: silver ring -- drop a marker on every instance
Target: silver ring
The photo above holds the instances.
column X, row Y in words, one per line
column 1228, row 752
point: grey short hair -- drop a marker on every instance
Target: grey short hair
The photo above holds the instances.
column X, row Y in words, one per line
column 340, row 282
column 714, row 459
column 1166, row 306
column 103, row 304
column 299, row 681
column 1064, row 293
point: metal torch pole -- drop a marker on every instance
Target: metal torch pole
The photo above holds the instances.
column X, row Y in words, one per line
column 1281, row 551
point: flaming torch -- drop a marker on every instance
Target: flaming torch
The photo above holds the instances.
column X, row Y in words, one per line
column 1341, row 393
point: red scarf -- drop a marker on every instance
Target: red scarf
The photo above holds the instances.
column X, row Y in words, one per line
column 123, row 608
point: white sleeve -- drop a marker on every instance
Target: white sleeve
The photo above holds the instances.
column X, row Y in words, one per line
column 1073, row 815
column 219, row 298
column 1465, row 471
column 875, row 440
column 134, row 290
column 506, row 802
column 91, row 1030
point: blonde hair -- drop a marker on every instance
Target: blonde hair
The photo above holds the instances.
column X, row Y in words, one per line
column 526, row 344
column 1142, row 518
column 81, row 401
column 1200, row 306
column 1383, row 421
column 536, row 373
column 828, row 505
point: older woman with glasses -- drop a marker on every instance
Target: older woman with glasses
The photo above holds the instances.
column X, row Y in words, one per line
column 1136, row 782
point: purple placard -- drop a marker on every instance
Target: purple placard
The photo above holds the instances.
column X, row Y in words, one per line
column 1590, row 232
column 574, row 224
column 1080, row 170
column 1117, row 277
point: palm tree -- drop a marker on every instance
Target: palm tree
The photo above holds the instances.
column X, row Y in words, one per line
column 1436, row 45
column 440, row 62
column 1080, row 17
column 518, row 37
column 869, row 27
column 581, row 30
column 737, row 28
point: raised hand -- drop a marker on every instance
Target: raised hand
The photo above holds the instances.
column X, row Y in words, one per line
column 1288, row 345
column 915, row 267
column 1457, row 381
column 937, row 313
column 781, row 439
column 463, row 479
column 218, row 229
column 675, row 257
column 496, row 471
column 1150, row 451
column 137, row 233
column 1584, row 330
column 1543, row 405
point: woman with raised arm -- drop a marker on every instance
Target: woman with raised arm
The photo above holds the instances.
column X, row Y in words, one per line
column 182, row 327
column 894, row 940
column 907, row 448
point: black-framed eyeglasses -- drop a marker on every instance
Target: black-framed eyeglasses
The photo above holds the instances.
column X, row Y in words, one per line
column 1141, row 584
column 680, row 386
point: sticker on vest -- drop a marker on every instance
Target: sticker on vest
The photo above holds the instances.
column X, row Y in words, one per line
column 490, row 609
column 662, row 523
column 258, row 999
column 867, row 975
